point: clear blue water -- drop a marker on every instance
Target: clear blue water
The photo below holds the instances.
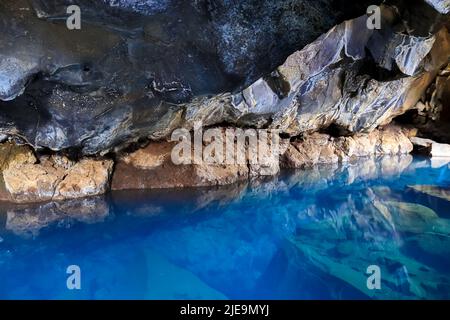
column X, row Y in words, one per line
column 306, row 234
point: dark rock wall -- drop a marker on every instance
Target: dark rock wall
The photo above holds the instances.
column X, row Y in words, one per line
column 137, row 68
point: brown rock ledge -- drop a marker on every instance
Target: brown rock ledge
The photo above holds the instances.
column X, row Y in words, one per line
column 28, row 179
column 152, row 168
column 322, row 148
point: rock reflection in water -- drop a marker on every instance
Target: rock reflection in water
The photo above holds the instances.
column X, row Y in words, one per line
column 28, row 219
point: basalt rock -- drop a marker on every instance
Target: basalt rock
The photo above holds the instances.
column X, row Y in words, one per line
column 127, row 73
column 431, row 115
column 139, row 69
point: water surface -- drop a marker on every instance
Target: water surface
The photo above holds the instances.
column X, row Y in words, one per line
column 306, row 234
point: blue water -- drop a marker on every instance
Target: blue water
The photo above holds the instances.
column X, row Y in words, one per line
column 306, row 234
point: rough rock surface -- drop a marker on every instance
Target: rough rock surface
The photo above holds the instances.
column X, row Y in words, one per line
column 131, row 175
column 152, row 167
column 12, row 154
column 137, row 70
column 56, row 178
column 322, row 148
column 127, row 73
column 431, row 115
column 140, row 69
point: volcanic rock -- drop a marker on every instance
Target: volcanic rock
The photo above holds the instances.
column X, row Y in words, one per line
column 140, row 69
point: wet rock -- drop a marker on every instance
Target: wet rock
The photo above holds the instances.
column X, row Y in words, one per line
column 433, row 244
column 412, row 217
column 56, row 178
column 430, row 148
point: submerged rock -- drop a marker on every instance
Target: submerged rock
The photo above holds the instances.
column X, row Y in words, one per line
column 434, row 191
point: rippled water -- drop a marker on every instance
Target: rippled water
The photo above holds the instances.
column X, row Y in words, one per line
column 308, row 234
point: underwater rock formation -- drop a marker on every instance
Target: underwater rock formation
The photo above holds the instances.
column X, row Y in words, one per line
column 433, row 191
